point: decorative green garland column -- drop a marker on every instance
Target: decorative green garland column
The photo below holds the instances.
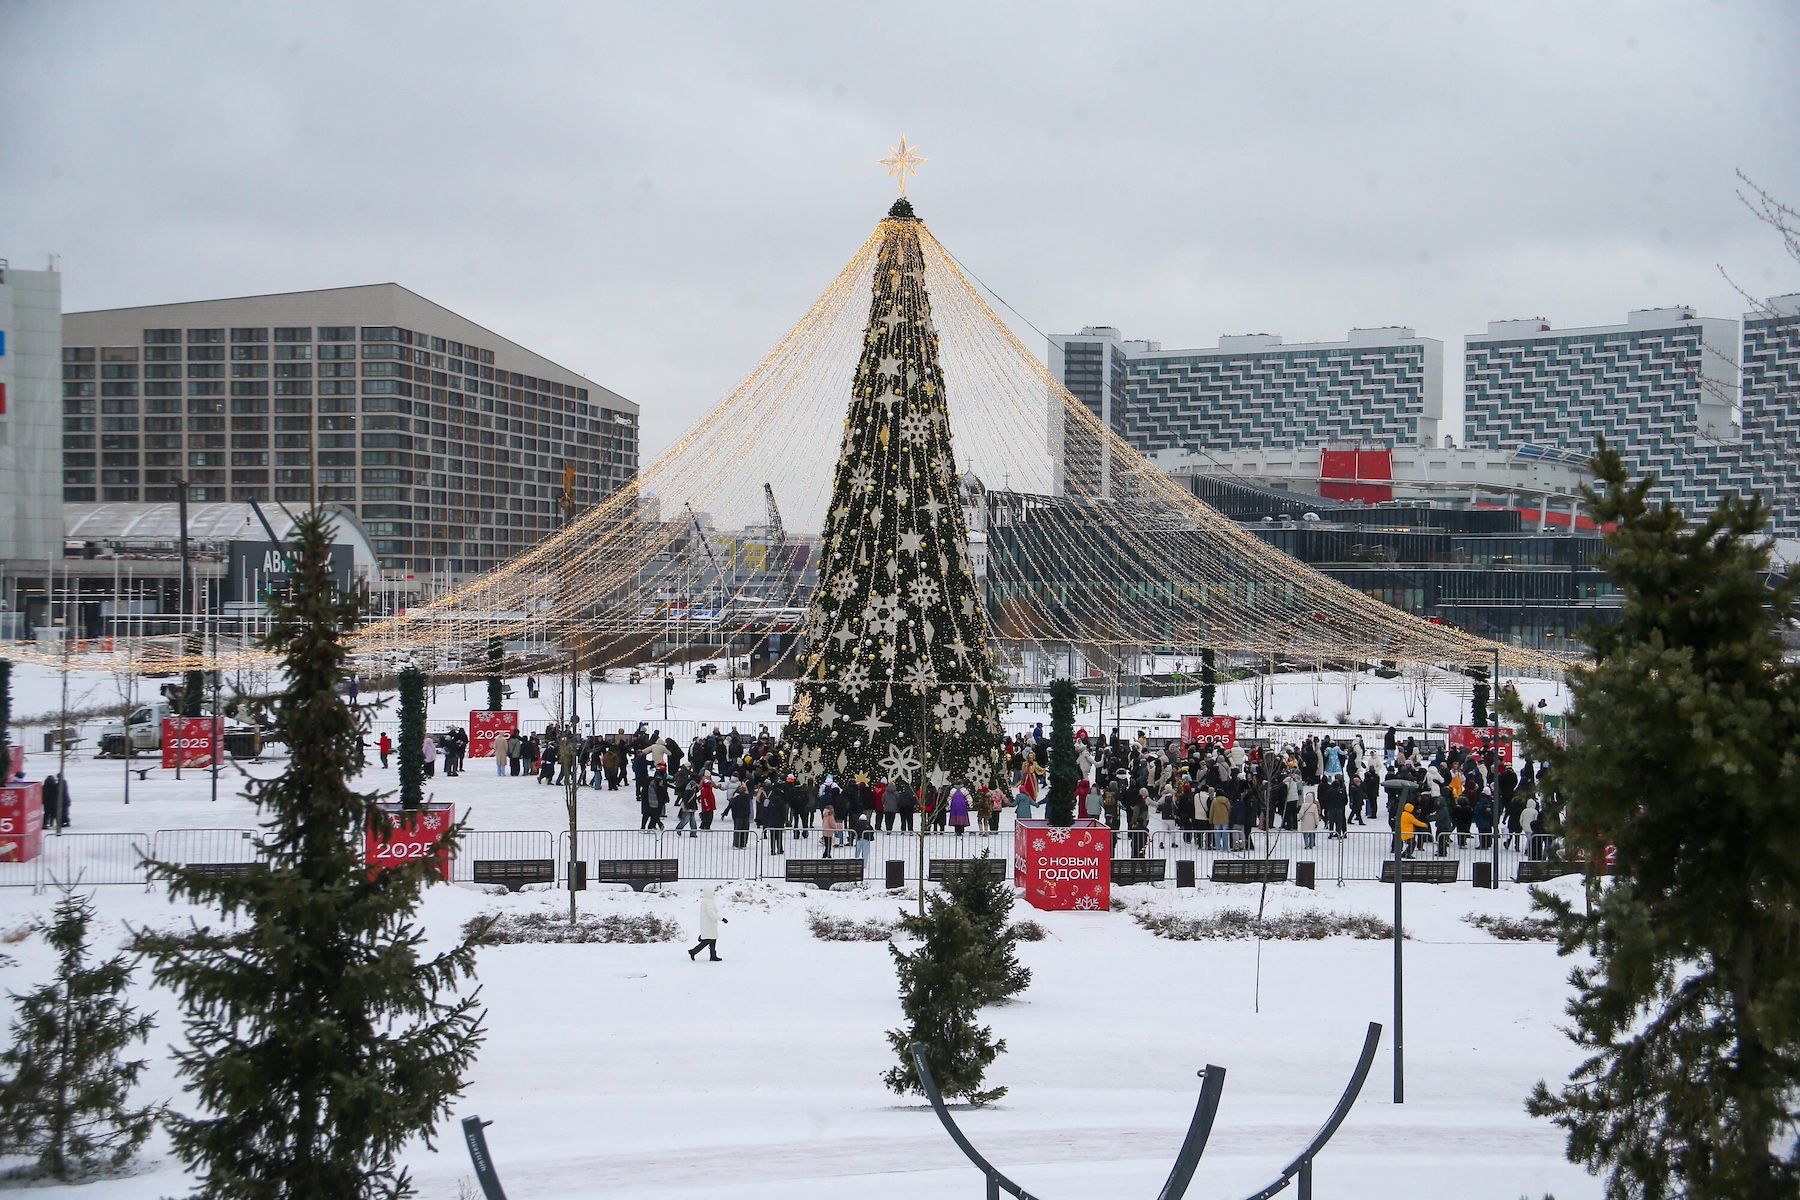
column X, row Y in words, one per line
column 1065, row 771
column 412, row 738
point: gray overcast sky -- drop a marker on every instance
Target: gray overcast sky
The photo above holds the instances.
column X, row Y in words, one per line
column 653, row 194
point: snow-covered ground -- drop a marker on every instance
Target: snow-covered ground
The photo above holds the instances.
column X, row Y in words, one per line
column 629, row 1071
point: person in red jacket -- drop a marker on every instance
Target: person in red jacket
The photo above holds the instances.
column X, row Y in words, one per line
column 387, row 748
column 709, row 802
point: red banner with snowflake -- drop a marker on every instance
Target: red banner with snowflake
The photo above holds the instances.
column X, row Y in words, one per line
column 417, row 835
column 486, row 728
column 1063, row 868
column 1219, row 733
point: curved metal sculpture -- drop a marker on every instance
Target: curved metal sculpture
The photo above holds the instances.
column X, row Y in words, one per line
column 1302, row 1163
column 476, row 1140
column 1192, row 1146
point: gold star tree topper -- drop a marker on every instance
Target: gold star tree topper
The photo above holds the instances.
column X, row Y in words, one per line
column 902, row 160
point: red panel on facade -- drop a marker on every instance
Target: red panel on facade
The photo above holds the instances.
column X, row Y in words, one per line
column 1365, row 475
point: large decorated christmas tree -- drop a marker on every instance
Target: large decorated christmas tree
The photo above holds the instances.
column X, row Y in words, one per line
column 899, row 680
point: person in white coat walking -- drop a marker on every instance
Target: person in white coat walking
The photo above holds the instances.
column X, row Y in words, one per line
column 709, row 927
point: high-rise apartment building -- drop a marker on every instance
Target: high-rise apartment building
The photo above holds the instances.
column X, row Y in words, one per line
column 1252, row 392
column 1663, row 389
column 1770, row 446
column 456, row 447
column 30, row 491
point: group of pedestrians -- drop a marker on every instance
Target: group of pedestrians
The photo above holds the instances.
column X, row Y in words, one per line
column 1194, row 793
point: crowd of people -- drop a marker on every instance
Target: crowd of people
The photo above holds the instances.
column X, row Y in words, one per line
column 1192, row 793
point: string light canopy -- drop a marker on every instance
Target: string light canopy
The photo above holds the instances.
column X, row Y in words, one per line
column 1091, row 554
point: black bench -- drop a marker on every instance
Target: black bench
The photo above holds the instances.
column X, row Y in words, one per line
column 231, row 870
column 1538, row 871
column 1127, row 871
column 825, row 871
column 1249, row 870
column 941, row 869
column 1422, row 870
column 515, row 873
column 638, row 872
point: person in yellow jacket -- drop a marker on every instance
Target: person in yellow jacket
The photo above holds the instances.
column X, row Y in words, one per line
column 1219, row 811
column 1410, row 827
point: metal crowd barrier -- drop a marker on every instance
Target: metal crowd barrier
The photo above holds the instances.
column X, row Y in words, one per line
column 722, row 853
column 91, row 860
column 185, row 846
column 501, row 844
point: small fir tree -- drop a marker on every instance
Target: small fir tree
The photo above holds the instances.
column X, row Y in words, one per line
column 64, row 1098
column 987, row 900
column 1681, row 758
column 1209, row 683
column 939, row 999
column 412, row 738
column 320, row 1040
column 1065, row 768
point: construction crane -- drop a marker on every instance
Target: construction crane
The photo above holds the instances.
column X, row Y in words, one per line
column 773, row 516
column 706, row 545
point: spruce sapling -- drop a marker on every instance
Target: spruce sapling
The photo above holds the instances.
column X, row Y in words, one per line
column 66, row 1082
column 1681, row 759
column 320, row 1038
column 987, row 900
column 938, row 998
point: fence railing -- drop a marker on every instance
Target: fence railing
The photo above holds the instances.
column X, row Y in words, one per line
column 90, row 860
column 724, row 853
column 507, row 844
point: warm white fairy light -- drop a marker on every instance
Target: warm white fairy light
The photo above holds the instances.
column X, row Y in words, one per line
column 611, row 578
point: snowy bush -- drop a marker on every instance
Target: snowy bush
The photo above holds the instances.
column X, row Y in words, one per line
column 508, row 929
column 1307, row 716
column 1514, row 929
column 1240, row 924
column 1029, row 931
column 830, row 927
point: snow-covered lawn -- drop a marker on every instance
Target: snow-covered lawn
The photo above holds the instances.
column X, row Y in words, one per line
column 629, row 1071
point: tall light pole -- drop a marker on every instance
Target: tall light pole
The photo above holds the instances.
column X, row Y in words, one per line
column 1494, row 783
column 187, row 586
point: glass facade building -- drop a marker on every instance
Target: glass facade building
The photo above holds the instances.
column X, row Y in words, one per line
column 455, row 447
